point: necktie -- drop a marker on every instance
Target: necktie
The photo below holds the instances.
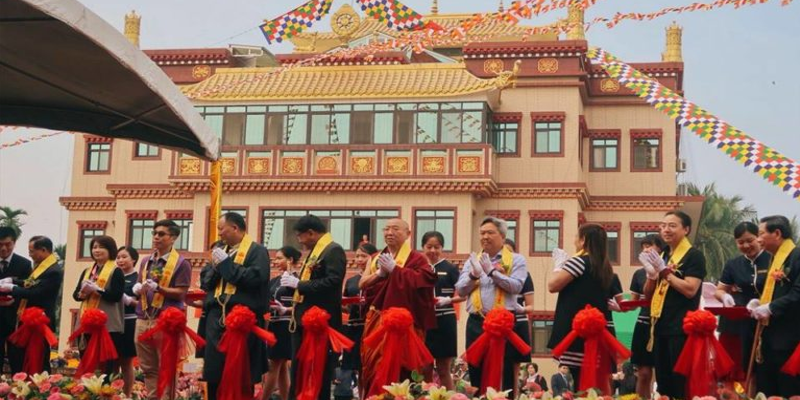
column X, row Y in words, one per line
column 3, row 265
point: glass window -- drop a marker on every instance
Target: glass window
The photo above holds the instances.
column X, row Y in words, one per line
column 636, row 244
column 361, row 127
column 405, row 127
column 86, row 238
column 296, row 127
column 140, row 234
column 541, row 331
column 233, row 130
column 215, row 123
column 472, row 127
column 504, row 137
column 254, row 129
column 613, row 246
column 98, row 157
column 145, row 150
column 427, row 127
column 547, row 137
column 348, row 227
column 442, row 221
column 185, row 239
column 512, row 231
column 546, row 235
column 276, row 129
column 384, row 126
column 321, row 128
column 646, row 153
column 604, row 153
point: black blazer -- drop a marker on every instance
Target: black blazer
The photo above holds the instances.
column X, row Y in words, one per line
column 561, row 384
column 44, row 293
column 783, row 331
column 251, row 281
column 324, row 289
column 18, row 268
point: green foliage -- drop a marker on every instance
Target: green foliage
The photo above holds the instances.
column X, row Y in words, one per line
column 11, row 217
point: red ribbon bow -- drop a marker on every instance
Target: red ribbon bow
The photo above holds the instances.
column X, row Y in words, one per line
column 32, row 335
column 236, row 382
column 488, row 351
column 171, row 326
column 703, row 359
column 600, row 349
column 401, row 347
column 313, row 351
column 100, row 347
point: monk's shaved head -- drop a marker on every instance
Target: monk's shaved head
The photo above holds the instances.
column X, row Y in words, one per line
column 396, row 232
column 399, row 223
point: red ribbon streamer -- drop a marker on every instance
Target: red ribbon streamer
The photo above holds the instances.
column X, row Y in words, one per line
column 401, row 347
column 703, row 359
column 239, row 324
column 600, row 349
column 171, row 326
column 792, row 366
column 100, row 347
column 312, row 355
column 32, row 335
column 488, row 351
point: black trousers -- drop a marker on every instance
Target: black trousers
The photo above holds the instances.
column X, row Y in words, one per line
column 327, row 375
column 666, row 350
column 16, row 357
column 769, row 378
column 474, row 330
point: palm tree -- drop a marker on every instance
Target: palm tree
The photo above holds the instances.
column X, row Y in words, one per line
column 719, row 217
column 61, row 251
column 11, row 218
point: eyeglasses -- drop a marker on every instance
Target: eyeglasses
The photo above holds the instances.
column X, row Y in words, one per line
column 160, row 233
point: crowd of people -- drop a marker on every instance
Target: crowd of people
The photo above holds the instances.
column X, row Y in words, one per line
column 765, row 279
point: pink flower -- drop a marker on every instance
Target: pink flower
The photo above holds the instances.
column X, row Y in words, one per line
column 55, row 389
column 55, row 396
column 45, row 387
column 77, row 389
column 55, row 378
column 538, row 395
column 5, row 389
column 708, row 398
column 459, row 396
column 118, row 384
column 20, row 376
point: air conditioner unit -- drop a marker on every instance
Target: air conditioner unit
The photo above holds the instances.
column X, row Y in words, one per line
column 682, row 189
column 680, row 165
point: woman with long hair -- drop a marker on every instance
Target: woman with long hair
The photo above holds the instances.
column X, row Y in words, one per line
column 585, row 279
column 354, row 327
column 286, row 259
column 127, row 258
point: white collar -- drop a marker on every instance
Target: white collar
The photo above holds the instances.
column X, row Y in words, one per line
column 8, row 260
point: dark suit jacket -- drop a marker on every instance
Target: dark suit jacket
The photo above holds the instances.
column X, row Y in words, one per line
column 324, row 289
column 44, row 293
column 19, row 268
column 560, row 384
column 783, row 331
column 251, row 281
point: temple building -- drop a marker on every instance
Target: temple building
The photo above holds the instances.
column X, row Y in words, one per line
column 519, row 127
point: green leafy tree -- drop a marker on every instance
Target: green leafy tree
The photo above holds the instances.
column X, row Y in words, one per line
column 719, row 217
column 61, row 251
column 11, row 218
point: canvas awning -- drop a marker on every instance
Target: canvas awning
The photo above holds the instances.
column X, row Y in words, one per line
column 62, row 67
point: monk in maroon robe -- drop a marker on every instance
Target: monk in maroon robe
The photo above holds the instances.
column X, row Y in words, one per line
column 398, row 277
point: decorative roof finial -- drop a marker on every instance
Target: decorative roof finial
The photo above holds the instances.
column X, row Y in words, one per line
column 435, row 7
column 575, row 27
column 132, row 24
column 501, row 8
column 673, row 52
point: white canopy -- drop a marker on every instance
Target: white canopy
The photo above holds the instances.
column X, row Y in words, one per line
column 64, row 68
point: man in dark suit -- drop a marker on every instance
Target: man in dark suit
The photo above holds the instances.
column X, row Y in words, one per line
column 12, row 266
column 239, row 276
column 562, row 381
column 320, row 285
column 39, row 290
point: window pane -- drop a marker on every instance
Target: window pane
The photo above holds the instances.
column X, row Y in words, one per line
column 611, row 157
column 234, row 129
column 427, row 126
column 320, row 129
column 254, row 132
column 384, row 123
column 276, row 128
column 340, row 128
column 341, row 229
column 362, row 123
column 554, row 141
column 215, row 123
column 613, row 243
column 541, row 141
column 472, row 127
column 297, row 125
column 451, row 128
column 405, row 127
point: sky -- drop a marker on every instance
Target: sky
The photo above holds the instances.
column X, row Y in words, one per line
column 739, row 64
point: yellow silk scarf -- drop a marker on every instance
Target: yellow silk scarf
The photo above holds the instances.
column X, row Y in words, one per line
column 37, row 272
column 777, row 266
column 102, row 280
column 311, row 260
column 660, row 294
column 506, row 261
column 166, row 276
column 238, row 259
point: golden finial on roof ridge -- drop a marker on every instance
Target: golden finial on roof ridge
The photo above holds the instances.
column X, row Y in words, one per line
column 673, row 52
column 501, row 8
column 435, row 7
column 132, row 27
column 575, row 28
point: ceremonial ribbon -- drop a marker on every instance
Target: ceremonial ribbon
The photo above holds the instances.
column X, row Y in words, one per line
column 37, row 272
column 100, row 347
column 506, row 262
column 792, row 365
column 238, row 259
column 488, row 351
column 172, row 333
column 31, row 336
column 102, row 279
column 703, row 360
column 660, row 294
column 236, row 381
column 164, row 281
column 600, row 349
column 312, row 355
column 401, row 348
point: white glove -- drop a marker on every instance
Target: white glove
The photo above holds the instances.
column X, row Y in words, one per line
column 127, row 300
column 218, row 255
column 486, row 264
column 475, row 266
column 279, row 308
column 560, row 257
column 6, row 287
column 762, row 312
column 90, row 287
column 519, row 308
column 289, row 280
column 151, row 285
column 387, row 263
column 7, row 280
column 752, row 305
column 656, row 261
column 613, row 305
column 649, row 270
column 443, row 301
column 727, row 300
column 137, row 288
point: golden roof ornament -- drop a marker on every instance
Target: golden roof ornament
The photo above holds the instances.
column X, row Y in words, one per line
column 501, row 8
column 575, row 28
column 435, row 7
column 673, row 52
column 345, row 22
column 132, row 25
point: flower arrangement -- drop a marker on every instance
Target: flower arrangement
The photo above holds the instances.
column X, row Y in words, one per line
column 778, row 275
column 156, row 274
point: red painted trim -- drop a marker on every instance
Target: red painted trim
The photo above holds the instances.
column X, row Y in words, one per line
column 92, row 224
column 503, row 214
column 178, row 214
column 141, row 214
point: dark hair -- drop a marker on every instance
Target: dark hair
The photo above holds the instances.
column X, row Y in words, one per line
column 686, row 220
column 627, row 369
column 368, row 248
column 172, row 227
column 235, row 219
column 433, row 234
column 595, row 242
column 133, row 253
column 743, row 228
column 106, row 242
column 310, row 222
column 42, row 243
column 513, row 245
column 8, row 232
column 291, row 253
column 654, row 239
column 535, row 366
column 778, row 223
